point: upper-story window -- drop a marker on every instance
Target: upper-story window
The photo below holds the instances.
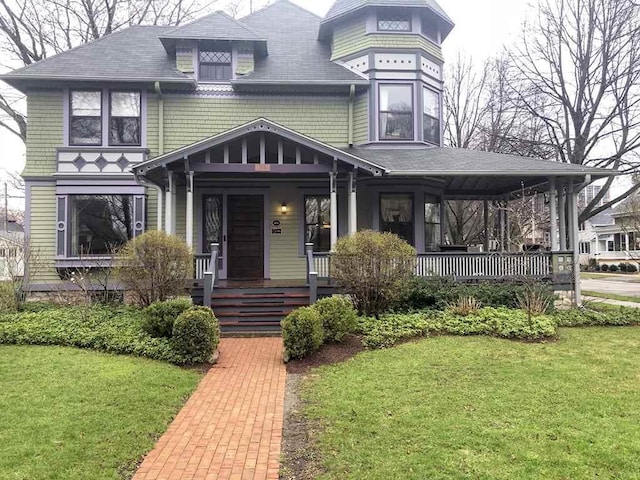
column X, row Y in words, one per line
column 85, row 124
column 431, row 116
column 214, row 65
column 390, row 21
column 430, row 29
column 396, row 112
column 124, row 118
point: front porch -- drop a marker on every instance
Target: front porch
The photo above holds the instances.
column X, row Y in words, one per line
column 262, row 202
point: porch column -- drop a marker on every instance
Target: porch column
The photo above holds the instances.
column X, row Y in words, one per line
column 353, row 204
column 485, row 205
column 169, row 213
column 562, row 218
column 333, row 188
column 573, row 231
column 501, row 223
column 507, row 226
column 553, row 215
column 189, row 212
column 443, row 219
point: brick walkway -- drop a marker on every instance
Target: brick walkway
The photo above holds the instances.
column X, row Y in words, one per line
column 231, row 427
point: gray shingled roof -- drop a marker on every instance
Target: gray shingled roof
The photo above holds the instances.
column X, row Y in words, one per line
column 133, row 54
column 449, row 161
column 218, row 26
column 295, row 54
column 342, row 7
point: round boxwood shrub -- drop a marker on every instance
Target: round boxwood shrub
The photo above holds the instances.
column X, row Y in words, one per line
column 159, row 317
column 196, row 334
column 302, row 333
column 613, row 268
column 622, row 267
column 631, row 268
column 338, row 317
column 604, row 268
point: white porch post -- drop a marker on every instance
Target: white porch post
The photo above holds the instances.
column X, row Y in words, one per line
column 553, row 215
column 562, row 218
column 573, row 231
column 507, row 226
column 502, row 226
column 169, row 213
column 333, row 179
column 443, row 219
column 485, row 205
column 353, row 204
column 189, row 212
column 160, row 220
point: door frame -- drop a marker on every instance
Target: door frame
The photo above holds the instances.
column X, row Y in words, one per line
column 225, row 193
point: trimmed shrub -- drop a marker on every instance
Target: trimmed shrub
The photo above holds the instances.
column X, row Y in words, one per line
column 631, row 268
column 604, row 268
column 154, row 267
column 374, row 268
column 429, row 293
column 338, row 317
column 159, row 317
column 613, row 268
column 196, row 334
column 302, row 333
column 622, row 267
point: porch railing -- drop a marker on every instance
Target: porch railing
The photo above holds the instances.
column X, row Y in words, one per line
column 478, row 266
column 312, row 274
column 210, row 274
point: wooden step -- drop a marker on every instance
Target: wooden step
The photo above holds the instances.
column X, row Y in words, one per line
column 219, row 296
column 251, row 314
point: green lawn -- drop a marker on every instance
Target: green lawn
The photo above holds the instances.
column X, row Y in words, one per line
column 485, row 408
column 75, row 414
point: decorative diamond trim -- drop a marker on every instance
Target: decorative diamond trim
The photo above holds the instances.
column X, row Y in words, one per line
column 215, row 57
column 101, row 162
column 122, row 162
column 394, row 23
column 79, row 162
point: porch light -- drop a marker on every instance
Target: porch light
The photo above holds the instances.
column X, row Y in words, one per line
column 284, row 208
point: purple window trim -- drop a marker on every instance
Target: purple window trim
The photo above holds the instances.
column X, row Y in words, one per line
column 140, row 142
column 69, row 111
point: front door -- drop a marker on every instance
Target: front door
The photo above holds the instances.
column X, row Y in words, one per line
column 245, row 232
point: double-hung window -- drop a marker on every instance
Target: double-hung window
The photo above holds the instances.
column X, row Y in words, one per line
column 431, row 116
column 214, row 65
column 396, row 215
column 124, row 118
column 396, row 112
column 85, row 122
column 317, row 228
column 390, row 21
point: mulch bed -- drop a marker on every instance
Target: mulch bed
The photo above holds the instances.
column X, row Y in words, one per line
column 328, row 354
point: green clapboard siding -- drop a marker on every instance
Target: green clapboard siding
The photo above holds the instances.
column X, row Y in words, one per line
column 43, row 233
column 152, row 123
column 44, row 133
column 352, row 37
column 152, row 208
column 361, row 119
column 286, row 261
column 188, row 119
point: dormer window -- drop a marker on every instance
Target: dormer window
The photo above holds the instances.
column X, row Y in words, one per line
column 390, row 21
column 396, row 112
column 215, row 65
column 431, row 116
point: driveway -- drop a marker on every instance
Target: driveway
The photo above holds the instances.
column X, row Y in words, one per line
column 617, row 285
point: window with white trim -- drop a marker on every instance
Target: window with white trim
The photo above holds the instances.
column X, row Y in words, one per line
column 431, row 116
column 585, row 247
column 396, row 111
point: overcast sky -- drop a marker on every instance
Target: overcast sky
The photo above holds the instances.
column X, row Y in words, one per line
column 483, row 27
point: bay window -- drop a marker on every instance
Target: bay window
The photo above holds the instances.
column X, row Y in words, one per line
column 396, row 112
column 85, row 122
column 431, row 116
column 396, row 215
column 100, row 224
column 317, row 223
column 124, row 118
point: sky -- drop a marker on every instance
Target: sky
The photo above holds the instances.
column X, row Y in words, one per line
column 483, row 28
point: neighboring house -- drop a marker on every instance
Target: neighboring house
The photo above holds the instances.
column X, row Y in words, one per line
column 263, row 135
column 615, row 239
column 11, row 251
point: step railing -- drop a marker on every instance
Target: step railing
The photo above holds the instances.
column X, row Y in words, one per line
column 312, row 274
column 211, row 274
column 478, row 266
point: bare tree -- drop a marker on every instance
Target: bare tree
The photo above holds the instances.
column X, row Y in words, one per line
column 31, row 30
column 22, row 262
column 238, row 8
column 577, row 70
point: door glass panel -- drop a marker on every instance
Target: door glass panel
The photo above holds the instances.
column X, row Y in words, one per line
column 396, row 215
column 212, row 209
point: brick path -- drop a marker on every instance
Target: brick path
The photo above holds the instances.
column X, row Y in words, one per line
column 231, row 427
